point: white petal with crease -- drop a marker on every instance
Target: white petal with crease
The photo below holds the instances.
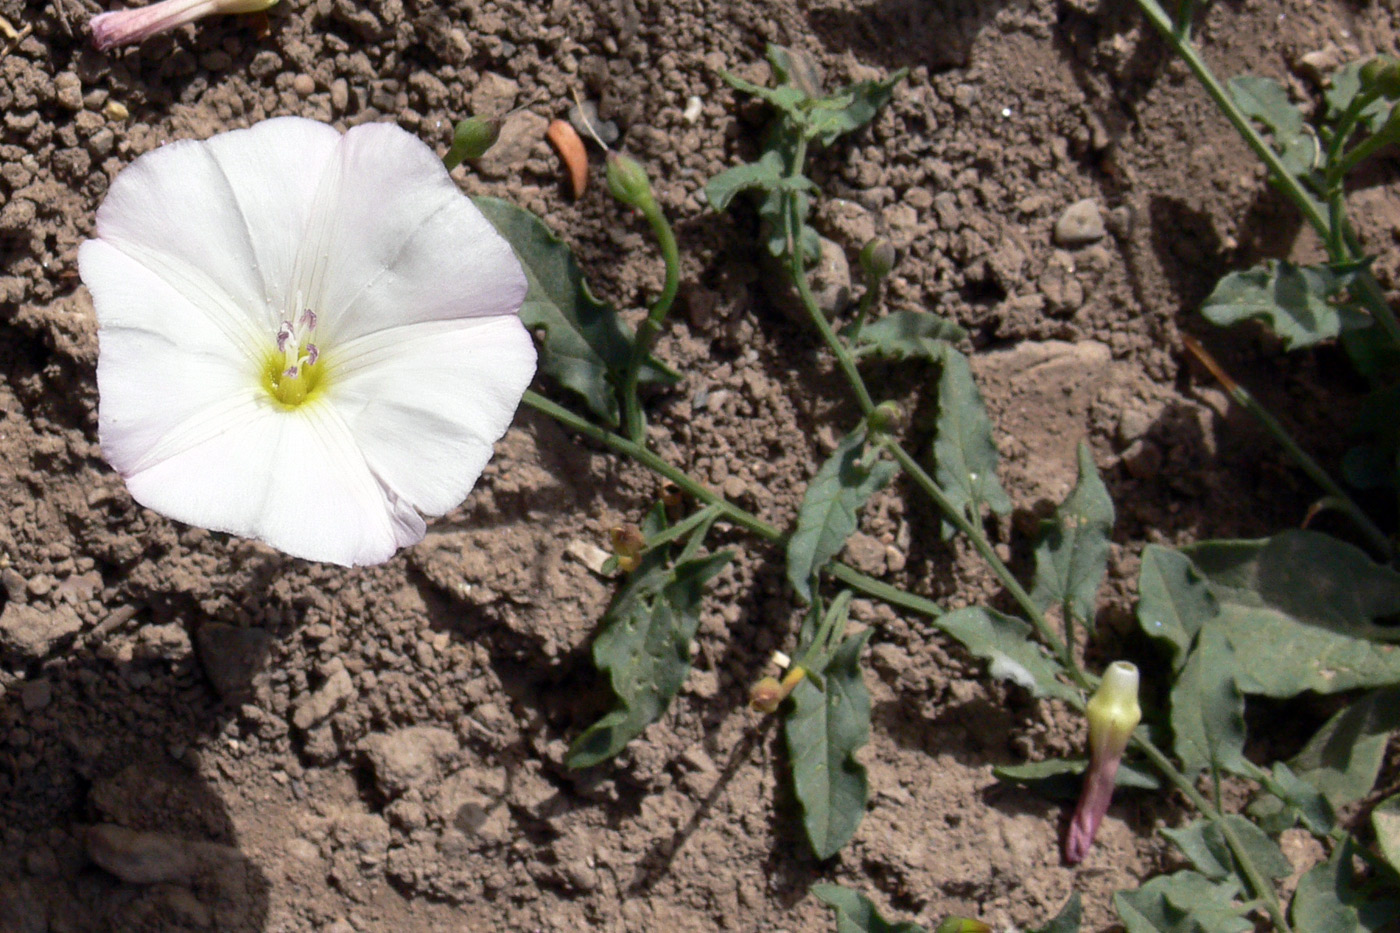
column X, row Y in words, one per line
column 427, row 402
column 400, row 243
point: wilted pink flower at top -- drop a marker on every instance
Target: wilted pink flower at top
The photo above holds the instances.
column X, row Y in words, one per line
column 128, row 27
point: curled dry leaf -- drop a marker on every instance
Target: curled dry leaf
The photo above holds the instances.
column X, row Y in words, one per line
column 565, row 139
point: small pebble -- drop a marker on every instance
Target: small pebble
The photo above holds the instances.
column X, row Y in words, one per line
column 1080, row 224
column 694, row 106
column 304, row 85
column 587, row 122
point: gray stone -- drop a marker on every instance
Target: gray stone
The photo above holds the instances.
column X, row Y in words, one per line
column 140, row 858
column 33, row 631
column 1080, row 224
column 408, row 757
column 586, row 121
column 831, row 279
column 231, row 657
column 317, row 706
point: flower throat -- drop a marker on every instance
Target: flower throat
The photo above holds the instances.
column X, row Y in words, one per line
column 291, row 374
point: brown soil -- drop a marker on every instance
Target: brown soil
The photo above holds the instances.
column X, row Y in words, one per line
column 381, row 749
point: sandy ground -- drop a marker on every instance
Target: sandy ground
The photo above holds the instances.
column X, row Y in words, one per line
column 381, row 749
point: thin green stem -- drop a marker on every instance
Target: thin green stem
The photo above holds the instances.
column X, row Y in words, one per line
column 867, row 301
column 728, row 510
column 653, row 462
column 1315, row 472
column 983, row 546
column 1260, row 885
column 881, row 590
column 1287, row 182
column 633, row 419
column 798, row 272
column 1361, row 152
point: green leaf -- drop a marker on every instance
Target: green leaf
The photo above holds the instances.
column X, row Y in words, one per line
column 1204, row 844
column 1303, row 305
column 964, row 454
column 1173, row 600
column 645, row 648
column 1265, row 100
column 1329, row 899
column 1385, row 821
column 1072, row 555
column 585, row 344
column 856, row 913
column 906, row 335
column 1344, row 757
column 828, row 514
column 1063, row 778
column 787, row 99
column 1207, row 708
column 824, row 728
column 851, row 107
column 1067, row 920
column 1298, row 609
column 765, row 174
column 1185, row 902
column 1005, row 642
column 1342, row 89
column 1297, row 802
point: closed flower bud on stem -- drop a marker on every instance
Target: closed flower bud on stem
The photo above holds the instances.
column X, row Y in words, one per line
column 1113, row 715
column 887, row 418
column 628, row 182
column 877, row 259
column 128, row 27
column 768, row 693
column 470, row 140
column 627, row 544
column 1382, row 74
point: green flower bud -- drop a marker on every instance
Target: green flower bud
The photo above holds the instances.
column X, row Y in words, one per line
column 877, row 259
column 470, row 140
column 1114, row 712
column 628, row 182
column 1382, row 74
column 887, row 418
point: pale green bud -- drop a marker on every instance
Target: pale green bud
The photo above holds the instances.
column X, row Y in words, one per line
column 1114, row 712
column 877, row 259
column 470, row 140
column 628, row 182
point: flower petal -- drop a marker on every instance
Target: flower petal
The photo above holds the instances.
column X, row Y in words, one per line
column 427, row 402
column 292, row 479
column 399, row 243
column 221, row 221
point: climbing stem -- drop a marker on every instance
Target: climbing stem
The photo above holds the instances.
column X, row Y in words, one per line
column 650, row 328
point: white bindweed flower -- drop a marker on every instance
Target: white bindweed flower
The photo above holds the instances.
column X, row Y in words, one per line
column 305, row 338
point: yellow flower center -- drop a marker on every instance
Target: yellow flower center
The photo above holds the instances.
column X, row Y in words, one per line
column 293, row 372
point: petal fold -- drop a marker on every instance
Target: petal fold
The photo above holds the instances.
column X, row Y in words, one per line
column 427, row 402
column 397, row 243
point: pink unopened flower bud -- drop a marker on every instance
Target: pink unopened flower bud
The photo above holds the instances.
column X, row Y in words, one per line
column 127, row 27
column 1113, row 715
